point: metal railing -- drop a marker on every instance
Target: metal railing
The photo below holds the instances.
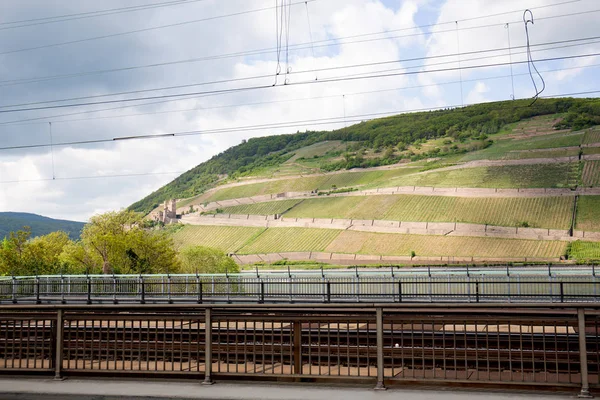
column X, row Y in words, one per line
column 515, row 344
column 428, row 287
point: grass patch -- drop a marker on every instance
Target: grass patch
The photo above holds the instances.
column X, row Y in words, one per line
column 507, row 176
column 503, row 148
column 588, row 213
column 552, row 153
column 591, row 150
column 224, row 238
column 267, row 208
column 583, row 251
column 317, row 149
column 592, row 136
column 309, row 183
column 591, row 173
column 547, row 212
column 403, row 245
column 276, row 240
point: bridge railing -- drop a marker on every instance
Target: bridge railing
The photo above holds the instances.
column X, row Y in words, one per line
column 493, row 344
column 300, row 288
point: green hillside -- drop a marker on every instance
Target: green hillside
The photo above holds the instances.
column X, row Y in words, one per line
column 385, row 141
column 12, row 222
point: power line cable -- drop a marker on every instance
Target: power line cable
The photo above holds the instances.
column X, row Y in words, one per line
column 455, row 107
column 277, row 125
column 312, row 47
column 275, row 50
column 91, row 14
column 53, row 118
column 194, row 21
column 530, row 62
column 29, row 121
column 72, row 178
column 230, row 80
column 260, row 87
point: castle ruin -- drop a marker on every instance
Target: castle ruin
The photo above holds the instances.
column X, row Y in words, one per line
column 169, row 213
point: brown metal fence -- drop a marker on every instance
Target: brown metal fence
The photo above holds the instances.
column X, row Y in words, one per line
column 534, row 344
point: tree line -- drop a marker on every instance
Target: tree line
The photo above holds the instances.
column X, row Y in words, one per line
column 111, row 243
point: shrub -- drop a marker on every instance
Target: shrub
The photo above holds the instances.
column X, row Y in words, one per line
column 206, row 260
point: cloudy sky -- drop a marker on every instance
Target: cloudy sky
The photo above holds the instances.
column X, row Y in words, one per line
column 90, row 52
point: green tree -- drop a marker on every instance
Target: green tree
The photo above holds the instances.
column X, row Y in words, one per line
column 116, row 242
column 13, row 251
column 206, row 260
column 42, row 253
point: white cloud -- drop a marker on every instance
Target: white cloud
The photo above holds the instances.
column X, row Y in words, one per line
column 330, row 19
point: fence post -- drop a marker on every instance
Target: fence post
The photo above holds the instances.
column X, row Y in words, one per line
column 14, row 290
column 400, row 291
column 142, row 290
column 297, row 347
column 207, row 347
column 89, row 290
column 262, row 292
column 199, row 284
column 328, row 291
column 37, row 291
column 562, row 292
column 585, row 385
column 58, row 345
column 380, row 371
column 477, row 291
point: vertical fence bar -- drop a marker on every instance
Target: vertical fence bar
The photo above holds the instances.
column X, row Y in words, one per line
column 142, row 290
column 199, row 284
column 585, row 385
column 297, row 347
column 58, row 345
column 400, row 291
column 14, row 290
column 89, row 290
column 380, row 371
column 37, row 291
column 207, row 347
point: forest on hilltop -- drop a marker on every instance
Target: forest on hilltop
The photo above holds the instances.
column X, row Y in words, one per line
column 395, row 132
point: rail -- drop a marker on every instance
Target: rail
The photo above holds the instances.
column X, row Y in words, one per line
column 490, row 344
column 301, row 288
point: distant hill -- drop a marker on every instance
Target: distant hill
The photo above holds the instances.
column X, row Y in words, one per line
column 381, row 141
column 40, row 225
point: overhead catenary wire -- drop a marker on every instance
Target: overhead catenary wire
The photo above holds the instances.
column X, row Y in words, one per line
column 84, row 177
column 279, row 125
column 30, row 121
column 455, row 107
column 30, row 107
column 512, row 78
column 230, row 80
column 302, row 46
column 182, row 23
column 90, row 14
column 530, row 62
column 312, row 46
column 200, row 108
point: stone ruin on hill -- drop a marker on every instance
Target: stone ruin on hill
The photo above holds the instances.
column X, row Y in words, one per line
column 169, row 213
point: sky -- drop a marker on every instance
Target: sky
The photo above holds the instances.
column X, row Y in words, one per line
column 340, row 61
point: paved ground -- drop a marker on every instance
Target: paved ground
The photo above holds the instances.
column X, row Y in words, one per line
column 109, row 389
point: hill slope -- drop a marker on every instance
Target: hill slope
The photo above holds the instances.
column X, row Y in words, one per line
column 382, row 141
column 40, row 225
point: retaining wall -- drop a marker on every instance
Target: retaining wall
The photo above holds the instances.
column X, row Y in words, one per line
column 396, row 227
column 355, row 259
